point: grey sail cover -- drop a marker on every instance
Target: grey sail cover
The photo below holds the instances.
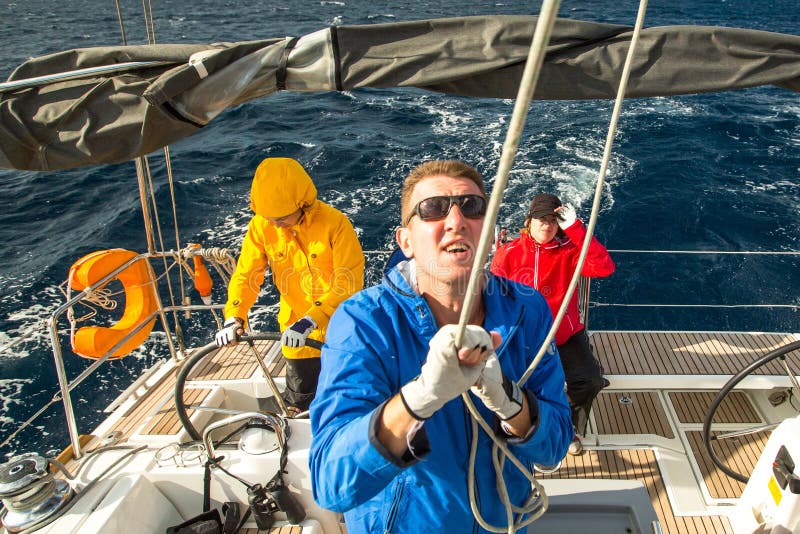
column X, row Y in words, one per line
column 114, row 117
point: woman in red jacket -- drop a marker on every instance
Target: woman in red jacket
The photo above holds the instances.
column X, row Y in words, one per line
column 544, row 257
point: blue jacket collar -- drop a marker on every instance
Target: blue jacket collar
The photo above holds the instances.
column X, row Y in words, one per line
column 498, row 297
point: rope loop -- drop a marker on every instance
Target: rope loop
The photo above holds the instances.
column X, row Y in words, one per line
column 102, row 298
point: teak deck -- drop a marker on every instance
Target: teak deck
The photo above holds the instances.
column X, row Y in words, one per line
column 685, row 353
column 661, row 414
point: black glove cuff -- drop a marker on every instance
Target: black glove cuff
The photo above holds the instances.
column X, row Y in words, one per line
column 513, row 391
column 408, row 408
column 419, row 442
column 533, row 407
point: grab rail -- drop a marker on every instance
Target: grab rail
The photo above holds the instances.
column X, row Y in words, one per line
column 63, row 383
column 66, row 386
column 585, row 303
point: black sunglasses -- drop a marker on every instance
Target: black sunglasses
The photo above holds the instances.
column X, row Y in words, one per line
column 433, row 208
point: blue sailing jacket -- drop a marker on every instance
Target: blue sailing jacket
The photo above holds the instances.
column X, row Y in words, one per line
column 377, row 341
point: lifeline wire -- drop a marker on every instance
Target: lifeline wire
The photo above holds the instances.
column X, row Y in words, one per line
column 622, row 305
column 732, row 252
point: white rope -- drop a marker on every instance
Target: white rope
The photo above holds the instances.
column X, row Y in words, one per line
column 530, row 76
column 103, row 298
column 612, row 130
column 222, row 258
column 537, row 500
column 536, row 506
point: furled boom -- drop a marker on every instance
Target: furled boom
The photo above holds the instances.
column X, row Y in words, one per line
column 108, row 118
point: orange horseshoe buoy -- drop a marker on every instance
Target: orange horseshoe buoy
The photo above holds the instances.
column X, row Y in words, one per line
column 140, row 302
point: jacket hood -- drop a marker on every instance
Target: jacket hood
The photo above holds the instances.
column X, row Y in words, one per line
column 281, row 186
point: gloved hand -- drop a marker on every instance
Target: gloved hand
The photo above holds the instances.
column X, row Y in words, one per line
column 566, row 216
column 442, row 378
column 231, row 329
column 500, row 394
column 295, row 335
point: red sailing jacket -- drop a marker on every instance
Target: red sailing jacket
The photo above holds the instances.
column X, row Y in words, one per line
column 549, row 268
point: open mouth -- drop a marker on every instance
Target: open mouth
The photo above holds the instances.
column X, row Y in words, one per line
column 457, row 248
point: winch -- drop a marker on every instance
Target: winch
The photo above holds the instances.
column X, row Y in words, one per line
column 31, row 496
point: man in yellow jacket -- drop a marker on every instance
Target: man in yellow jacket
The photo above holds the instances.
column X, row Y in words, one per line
column 316, row 263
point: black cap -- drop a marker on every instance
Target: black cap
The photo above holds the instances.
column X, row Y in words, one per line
column 542, row 205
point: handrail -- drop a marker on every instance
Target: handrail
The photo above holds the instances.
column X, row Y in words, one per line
column 731, row 252
column 65, row 386
column 63, row 383
column 594, row 304
column 60, row 396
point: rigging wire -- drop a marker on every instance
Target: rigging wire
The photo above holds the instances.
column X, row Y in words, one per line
column 145, row 180
column 149, row 24
column 139, row 162
column 151, row 190
column 121, row 24
column 173, row 202
column 147, row 11
column 149, row 27
column 27, row 422
column 23, row 336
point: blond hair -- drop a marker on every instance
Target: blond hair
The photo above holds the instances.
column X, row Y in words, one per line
column 440, row 167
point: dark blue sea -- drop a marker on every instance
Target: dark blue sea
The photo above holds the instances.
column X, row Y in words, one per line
column 713, row 172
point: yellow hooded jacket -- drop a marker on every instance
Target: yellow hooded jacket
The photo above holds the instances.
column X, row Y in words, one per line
column 316, row 264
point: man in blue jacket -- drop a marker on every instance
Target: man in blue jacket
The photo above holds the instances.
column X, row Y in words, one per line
column 391, row 434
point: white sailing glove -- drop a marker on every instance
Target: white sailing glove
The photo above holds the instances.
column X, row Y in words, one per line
column 295, row 335
column 497, row 392
column 566, row 216
column 442, row 378
column 231, row 330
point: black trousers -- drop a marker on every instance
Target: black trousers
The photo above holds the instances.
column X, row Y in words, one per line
column 584, row 376
column 301, row 382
